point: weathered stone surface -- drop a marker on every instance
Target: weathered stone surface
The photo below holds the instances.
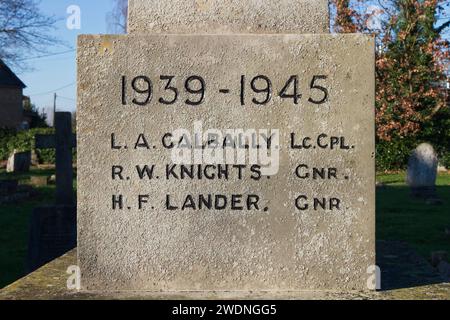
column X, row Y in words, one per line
column 231, row 16
column 49, row 282
column 19, row 162
column 280, row 248
column 422, row 171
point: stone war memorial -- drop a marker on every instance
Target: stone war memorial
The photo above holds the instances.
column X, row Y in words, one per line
column 226, row 147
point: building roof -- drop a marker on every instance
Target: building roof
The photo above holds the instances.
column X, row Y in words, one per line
column 8, row 78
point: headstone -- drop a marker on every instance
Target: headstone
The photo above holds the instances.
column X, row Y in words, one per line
column 11, row 191
column 437, row 257
column 52, row 179
column 228, row 17
column 53, row 228
column 422, row 172
column 444, row 270
column 300, row 215
column 34, row 158
column 63, row 141
column 19, row 162
column 39, row 181
column 53, row 232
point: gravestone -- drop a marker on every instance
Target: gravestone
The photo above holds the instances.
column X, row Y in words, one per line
column 34, row 158
column 12, row 192
column 53, row 232
column 422, row 172
column 444, row 270
column 53, row 227
column 39, row 181
column 159, row 206
column 19, row 162
column 438, row 256
column 63, row 141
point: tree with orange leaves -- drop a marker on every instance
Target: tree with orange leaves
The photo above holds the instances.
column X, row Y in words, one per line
column 412, row 57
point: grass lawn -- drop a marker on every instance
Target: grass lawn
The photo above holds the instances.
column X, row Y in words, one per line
column 398, row 218
column 398, row 179
column 14, row 222
column 401, row 218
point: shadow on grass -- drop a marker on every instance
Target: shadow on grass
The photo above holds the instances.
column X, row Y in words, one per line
column 410, row 231
column 26, row 175
column 14, row 221
column 402, row 267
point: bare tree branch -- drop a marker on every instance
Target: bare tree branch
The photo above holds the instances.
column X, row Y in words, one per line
column 24, row 30
column 443, row 26
column 117, row 18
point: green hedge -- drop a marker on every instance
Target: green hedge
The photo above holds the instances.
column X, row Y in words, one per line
column 394, row 155
column 24, row 141
column 5, row 136
column 390, row 155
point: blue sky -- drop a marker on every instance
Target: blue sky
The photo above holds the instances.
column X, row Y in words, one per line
column 55, row 72
column 58, row 71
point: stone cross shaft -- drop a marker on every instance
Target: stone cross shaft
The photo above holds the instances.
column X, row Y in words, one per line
column 63, row 141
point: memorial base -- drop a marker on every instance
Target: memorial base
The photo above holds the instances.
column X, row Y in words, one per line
column 50, row 283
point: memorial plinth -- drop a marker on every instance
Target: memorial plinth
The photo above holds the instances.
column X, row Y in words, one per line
column 49, row 282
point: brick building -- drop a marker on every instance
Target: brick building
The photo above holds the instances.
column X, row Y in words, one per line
column 11, row 98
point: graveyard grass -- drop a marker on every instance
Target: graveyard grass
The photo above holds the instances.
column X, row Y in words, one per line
column 419, row 224
column 14, row 222
column 399, row 218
